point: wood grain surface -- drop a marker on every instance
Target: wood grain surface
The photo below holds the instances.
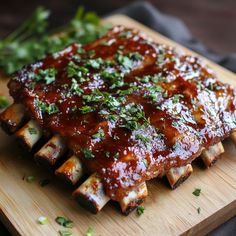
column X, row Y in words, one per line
column 167, row 212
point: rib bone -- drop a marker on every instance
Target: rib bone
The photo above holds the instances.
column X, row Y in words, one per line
column 210, row 155
column 178, row 175
column 51, row 151
column 91, row 195
column 71, row 170
column 133, row 199
column 11, row 119
column 29, row 134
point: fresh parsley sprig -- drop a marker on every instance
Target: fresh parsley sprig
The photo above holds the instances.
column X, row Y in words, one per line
column 31, row 41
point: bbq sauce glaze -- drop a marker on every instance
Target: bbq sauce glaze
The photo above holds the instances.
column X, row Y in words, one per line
column 129, row 108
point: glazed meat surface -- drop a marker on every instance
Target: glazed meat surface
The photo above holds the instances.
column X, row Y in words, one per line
column 128, row 107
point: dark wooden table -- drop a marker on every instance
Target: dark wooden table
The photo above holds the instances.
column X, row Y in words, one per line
column 211, row 21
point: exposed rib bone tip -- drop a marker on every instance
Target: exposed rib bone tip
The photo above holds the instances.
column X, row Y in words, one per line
column 133, row 199
column 12, row 118
column 211, row 154
column 91, row 195
column 177, row 175
column 52, row 151
column 29, row 134
column 71, row 170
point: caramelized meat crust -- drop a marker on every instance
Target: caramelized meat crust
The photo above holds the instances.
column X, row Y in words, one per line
column 128, row 107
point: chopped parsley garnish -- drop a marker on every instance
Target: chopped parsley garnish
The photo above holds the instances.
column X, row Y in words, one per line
column 193, row 100
column 48, row 75
column 95, row 96
column 43, row 220
column 197, row 192
column 74, row 70
column 198, row 210
column 64, row 222
column 135, row 55
column 133, row 116
column 44, row 182
column 81, row 50
column 86, row 109
column 48, row 108
column 113, row 117
column 153, row 92
column 3, row 102
column 116, row 156
column 113, row 78
column 211, row 86
column 95, row 63
column 65, row 232
column 160, row 59
column 32, row 130
column 145, row 162
column 140, row 210
column 176, row 98
column 112, row 102
column 115, row 137
column 144, row 79
column 89, row 231
column 75, row 88
column 151, row 78
column 91, row 53
column 88, row 153
column 172, row 59
column 144, row 139
column 125, row 61
column 125, row 34
column 107, row 154
column 107, row 43
column 175, row 124
column 30, row 178
column 99, row 135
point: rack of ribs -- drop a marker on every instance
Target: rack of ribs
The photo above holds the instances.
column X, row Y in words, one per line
column 121, row 110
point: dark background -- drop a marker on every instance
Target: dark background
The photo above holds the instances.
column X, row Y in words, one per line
column 213, row 22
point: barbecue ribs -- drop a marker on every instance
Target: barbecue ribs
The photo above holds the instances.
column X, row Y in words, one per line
column 127, row 109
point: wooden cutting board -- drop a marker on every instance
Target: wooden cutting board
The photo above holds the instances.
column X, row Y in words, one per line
column 167, row 212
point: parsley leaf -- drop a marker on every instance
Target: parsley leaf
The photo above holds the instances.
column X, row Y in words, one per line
column 64, row 222
column 3, row 102
column 65, row 232
column 43, row 220
column 95, row 63
column 144, row 139
column 197, row 192
column 31, row 42
column 48, row 75
column 198, row 210
column 30, row 179
column 44, row 182
column 88, row 153
column 89, row 231
column 32, row 130
column 86, row 109
column 75, row 88
column 48, row 108
column 99, row 135
column 140, row 210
